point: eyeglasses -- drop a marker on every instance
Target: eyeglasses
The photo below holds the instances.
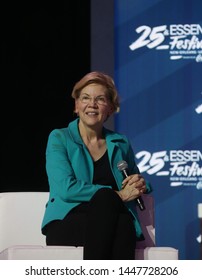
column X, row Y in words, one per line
column 101, row 99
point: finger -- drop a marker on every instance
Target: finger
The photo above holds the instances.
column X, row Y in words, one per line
column 126, row 180
column 132, row 179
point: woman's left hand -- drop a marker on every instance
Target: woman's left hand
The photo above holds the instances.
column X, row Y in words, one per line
column 136, row 181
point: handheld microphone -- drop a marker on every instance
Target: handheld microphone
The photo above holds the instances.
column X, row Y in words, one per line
column 122, row 166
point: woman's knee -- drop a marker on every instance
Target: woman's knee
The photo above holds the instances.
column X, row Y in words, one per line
column 106, row 193
column 107, row 197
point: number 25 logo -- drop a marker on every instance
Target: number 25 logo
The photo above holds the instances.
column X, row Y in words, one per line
column 150, row 37
column 152, row 163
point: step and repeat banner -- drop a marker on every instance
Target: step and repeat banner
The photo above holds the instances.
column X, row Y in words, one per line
column 158, row 73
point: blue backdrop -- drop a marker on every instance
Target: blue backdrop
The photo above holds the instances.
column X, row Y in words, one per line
column 158, row 72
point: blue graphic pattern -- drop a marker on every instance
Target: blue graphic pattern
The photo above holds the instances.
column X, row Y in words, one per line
column 159, row 101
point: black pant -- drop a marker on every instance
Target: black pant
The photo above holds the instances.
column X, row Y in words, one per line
column 104, row 226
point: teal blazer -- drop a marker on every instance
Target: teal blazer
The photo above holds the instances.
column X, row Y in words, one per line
column 69, row 169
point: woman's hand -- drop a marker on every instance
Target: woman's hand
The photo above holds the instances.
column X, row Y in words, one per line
column 132, row 187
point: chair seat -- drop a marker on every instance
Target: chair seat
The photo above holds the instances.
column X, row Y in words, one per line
column 29, row 252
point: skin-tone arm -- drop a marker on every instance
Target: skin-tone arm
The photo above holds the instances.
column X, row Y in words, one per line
column 132, row 187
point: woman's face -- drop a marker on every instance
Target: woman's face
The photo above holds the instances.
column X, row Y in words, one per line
column 93, row 106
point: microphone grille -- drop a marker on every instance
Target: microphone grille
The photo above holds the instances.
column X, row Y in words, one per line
column 122, row 165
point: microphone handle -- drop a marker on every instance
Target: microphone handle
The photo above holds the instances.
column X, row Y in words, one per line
column 140, row 203
column 138, row 200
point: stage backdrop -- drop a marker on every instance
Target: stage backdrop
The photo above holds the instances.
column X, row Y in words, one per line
column 158, row 72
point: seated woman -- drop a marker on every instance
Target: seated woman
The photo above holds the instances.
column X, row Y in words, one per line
column 91, row 203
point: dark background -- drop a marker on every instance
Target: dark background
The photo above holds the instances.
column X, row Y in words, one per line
column 45, row 50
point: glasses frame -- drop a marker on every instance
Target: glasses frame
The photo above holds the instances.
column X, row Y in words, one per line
column 100, row 99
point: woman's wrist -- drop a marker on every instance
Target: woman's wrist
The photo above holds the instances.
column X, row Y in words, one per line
column 120, row 193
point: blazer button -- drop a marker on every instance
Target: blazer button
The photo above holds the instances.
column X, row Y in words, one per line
column 53, row 199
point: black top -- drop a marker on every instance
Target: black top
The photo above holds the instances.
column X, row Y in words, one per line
column 102, row 172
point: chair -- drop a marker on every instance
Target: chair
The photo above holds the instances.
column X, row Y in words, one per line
column 147, row 249
column 20, row 231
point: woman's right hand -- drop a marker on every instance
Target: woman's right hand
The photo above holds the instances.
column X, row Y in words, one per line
column 128, row 194
column 133, row 186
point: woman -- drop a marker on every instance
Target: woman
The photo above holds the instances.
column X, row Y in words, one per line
column 91, row 204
